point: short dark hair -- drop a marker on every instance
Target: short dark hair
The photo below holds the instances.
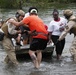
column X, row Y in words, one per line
column 55, row 10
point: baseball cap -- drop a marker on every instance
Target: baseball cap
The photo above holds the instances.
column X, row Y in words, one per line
column 33, row 11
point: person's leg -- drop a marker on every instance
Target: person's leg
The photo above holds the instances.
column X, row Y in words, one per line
column 34, row 58
column 6, row 60
column 10, row 50
column 62, row 44
column 58, row 56
column 57, row 45
column 72, row 49
column 12, row 56
column 58, row 50
column 25, row 41
column 39, row 57
column 18, row 39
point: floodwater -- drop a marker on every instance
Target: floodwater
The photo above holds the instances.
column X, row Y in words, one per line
column 65, row 66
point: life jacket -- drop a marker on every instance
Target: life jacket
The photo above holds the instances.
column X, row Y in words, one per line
column 73, row 29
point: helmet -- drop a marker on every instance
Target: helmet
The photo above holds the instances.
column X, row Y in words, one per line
column 20, row 13
column 68, row 12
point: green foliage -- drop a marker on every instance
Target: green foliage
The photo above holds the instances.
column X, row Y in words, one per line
column 6, row 3
column 37, row 3
column 10, row 3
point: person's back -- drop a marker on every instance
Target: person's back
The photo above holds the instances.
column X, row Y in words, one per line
column 35, row 23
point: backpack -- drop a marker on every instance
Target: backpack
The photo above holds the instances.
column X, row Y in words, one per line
column 1, row 35
column 5, row 28
column 3, row 31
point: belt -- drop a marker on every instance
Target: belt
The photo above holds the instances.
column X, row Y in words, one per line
column 42, row 33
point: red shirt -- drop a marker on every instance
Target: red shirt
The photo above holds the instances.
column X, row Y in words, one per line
column 46, row 27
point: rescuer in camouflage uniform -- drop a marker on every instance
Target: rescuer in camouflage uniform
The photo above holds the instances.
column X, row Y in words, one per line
column 9, row 30
column 70, row 27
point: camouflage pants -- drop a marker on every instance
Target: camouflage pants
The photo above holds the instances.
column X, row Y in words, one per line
column 7, row 44
column 73, row 49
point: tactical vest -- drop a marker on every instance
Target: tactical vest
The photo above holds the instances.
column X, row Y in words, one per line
column 73, row 29
column 5, row 27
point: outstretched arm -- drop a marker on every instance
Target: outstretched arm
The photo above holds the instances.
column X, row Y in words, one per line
column 70, row 24
column 16, row 23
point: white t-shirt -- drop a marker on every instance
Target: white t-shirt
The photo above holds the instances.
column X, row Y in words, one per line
column 57, row 27
column 27, row 14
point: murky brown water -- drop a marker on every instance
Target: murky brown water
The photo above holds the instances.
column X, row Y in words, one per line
column 48, row 67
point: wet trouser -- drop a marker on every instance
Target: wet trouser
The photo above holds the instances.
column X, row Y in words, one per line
column 73, row 49
column 7, row 44
column 59, row 45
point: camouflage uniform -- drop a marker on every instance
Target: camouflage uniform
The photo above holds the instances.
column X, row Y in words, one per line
column 7, row 44
column 70, row 27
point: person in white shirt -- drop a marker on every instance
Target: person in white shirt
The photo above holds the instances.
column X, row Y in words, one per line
column 55, row 28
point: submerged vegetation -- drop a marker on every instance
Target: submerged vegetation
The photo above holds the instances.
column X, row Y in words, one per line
column 38, row 3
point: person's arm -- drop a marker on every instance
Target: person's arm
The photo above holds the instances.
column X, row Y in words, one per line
column 69, row 25
column 49, row 38
column 50, row 30
column 16, row 23
column 11, row 28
